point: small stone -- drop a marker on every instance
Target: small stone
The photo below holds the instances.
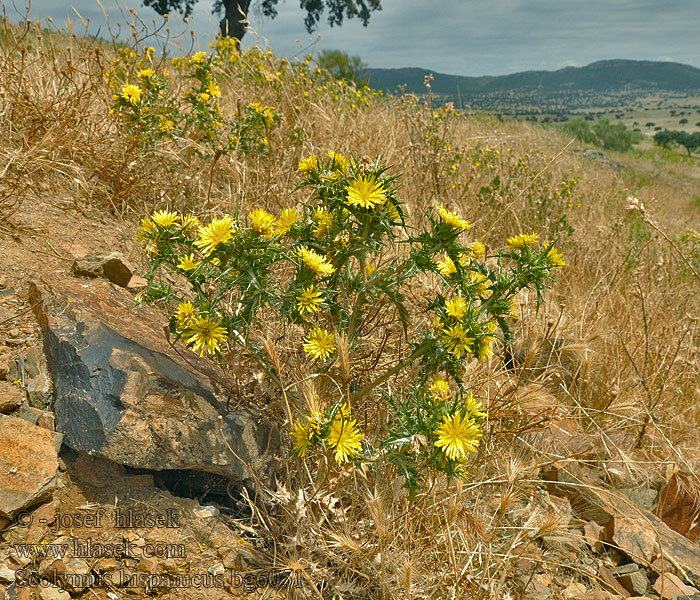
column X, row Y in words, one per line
column 39, row 391
column 14, row 333
column 52, row 592
column 46, row 420
column 4, row 364
column 205, row 512
column 632, row 578
column 7, row 574
column 669, row 586
column 32, row 362
column 573, row 590
column 11, row 397
column 136, row 284
column 108, row 265
column 593, row 534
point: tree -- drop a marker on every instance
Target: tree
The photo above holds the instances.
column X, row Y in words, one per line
column 343, row 65
column 690, row 141
column 235, row 12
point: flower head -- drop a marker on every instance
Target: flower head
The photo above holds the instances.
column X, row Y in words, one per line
column 262, row 223
column 198, row 57
column 213, row 89
column 147, row 226
column 446, row 266
column 145, row 73
column 525, row 239
column 456, row 307
column 475, row 409
column 484, row 344
column 344, row 438
column 452, row 220
column 309, row 164
column 316, row 262
column 302, row 433
column 319, row 344
column 310, row 300
column 440, row 391
column 205, row 335
column 131, row 93
column 457, row 436
column 340, row 163
column 185, row 314
column 324, row 222
column 164, row 218
column 188, row 263
column 474, row 250
column 288, row 217
column 482, row 284
column 217, row 232
column 456, row 340
column 189, row 222
column 365, row 192
column 555, row 257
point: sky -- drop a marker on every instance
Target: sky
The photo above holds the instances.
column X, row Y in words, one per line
column 461, row 37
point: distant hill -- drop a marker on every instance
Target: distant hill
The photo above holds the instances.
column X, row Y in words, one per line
column 603, row 77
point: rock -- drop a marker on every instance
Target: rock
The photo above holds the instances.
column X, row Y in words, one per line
column 633, row 536
column 51, row 592
column 39, row 391
column 122, row 393
column 669, row 586
column 632, row 578
column 593, row 534
column 574, row 590
column 109, row 265
column 570, row 480
column 205, row 512
column 71, row 573
column 7, row 575
column 136, row 284
column 607, row 576
column 5, row 359
column 11, row 397
column 679, row 506
column 32, row 362
column 28, row 464
column 47, row 420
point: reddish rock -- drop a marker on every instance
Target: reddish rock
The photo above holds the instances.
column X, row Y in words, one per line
column 679, row 506
column 11, row 397
column 28, row 464
column 669, row 586
column 593, row 534
column 607, row 576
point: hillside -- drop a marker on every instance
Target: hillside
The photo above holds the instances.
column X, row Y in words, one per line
column 579, row 86
column 261, row 329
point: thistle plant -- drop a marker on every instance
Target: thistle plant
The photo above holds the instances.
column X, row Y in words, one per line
column 346, row 272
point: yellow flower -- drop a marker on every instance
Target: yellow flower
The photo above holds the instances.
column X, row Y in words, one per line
column 262, row 223
column 288, row 217
column 165, row 124
column 440, row 391
column 365, row 192
column 310, row 163
column 319, row 344
column 189, row 222
column 198, row 57
column 513, row 308
column 185, row 314
column 340, row 163
column 324, row 222
column 475, row 409
column 314, row 261
column 187, row 263
column 484, row 344
column 147, row 226
column 145, row 73
column 452, row 220
column 482, row 284
column 301, row 436
column 342, row 240
column 204, row 97
column 131, row 93
column 474, row 250
column 205, row 335
column 555, row 258
column 213, row 89
column 345, row 439
column 164, row 218
column 456, row 340
column 456, row 307
column 310, row 300
column 457, row 436
column 217, row 232
column 446, row 266
column 520, row 241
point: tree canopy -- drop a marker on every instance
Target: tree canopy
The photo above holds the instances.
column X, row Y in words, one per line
column 235, row 12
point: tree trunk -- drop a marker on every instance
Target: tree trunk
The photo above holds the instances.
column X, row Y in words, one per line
column 234, row 23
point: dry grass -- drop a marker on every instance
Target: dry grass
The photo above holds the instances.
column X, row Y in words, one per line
column 613, row 350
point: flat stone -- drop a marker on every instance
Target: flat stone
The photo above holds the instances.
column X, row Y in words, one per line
column 108, row 265
column 632, row 578
column 122, row 393
column 28, row 464
column 11, row 397
column 32, row 362
column 669, row 586
column 52, row 592
column 633, row 536
column 593, row 534
column 136, row 284
column 39, row 391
